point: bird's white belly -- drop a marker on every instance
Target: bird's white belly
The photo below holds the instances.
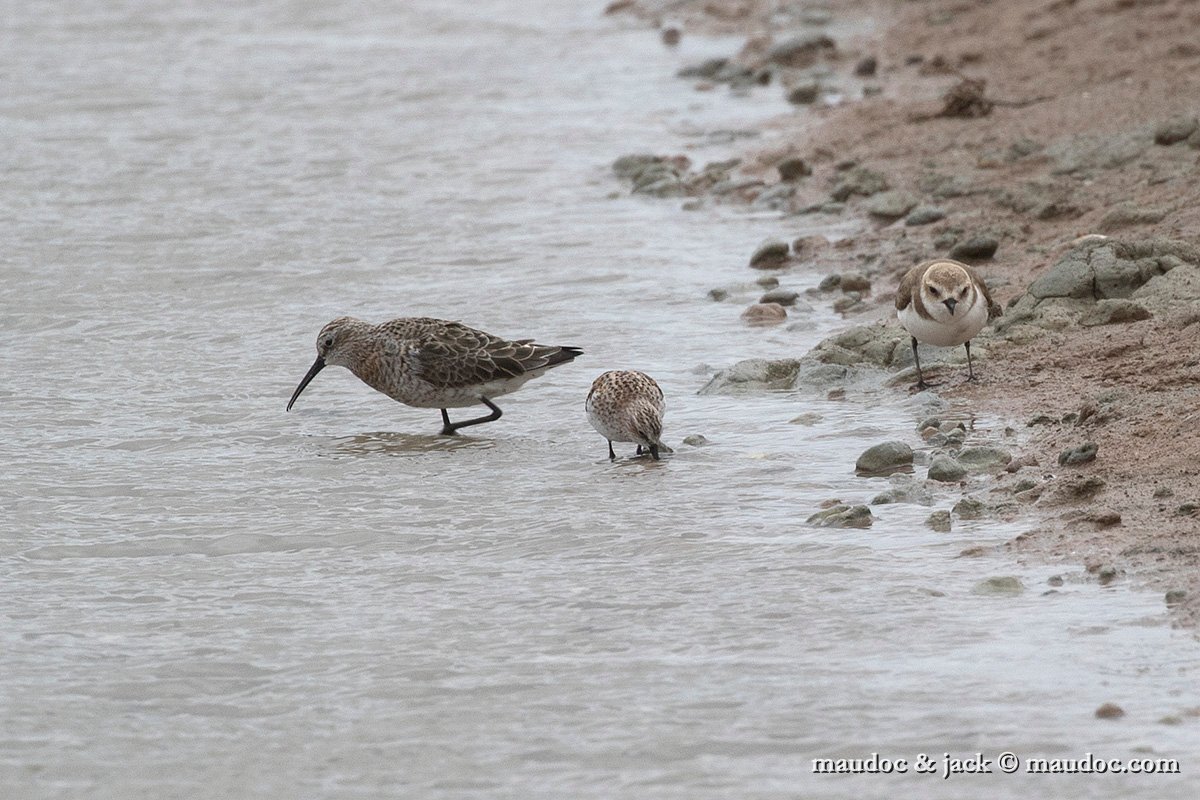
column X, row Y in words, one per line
column 419, row 394
column 950, row 333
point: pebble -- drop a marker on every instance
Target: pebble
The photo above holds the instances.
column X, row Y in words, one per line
column 1175, row 129
column 924, row 215
column 1003, row 584
column 718, row 295
column 1110, row 711
column 891, row 204
column 884, row 458
column 854, row 282
column 975, row 248
column 968, row 508
column 784, row 297
column 770, row 254
column 805, row 93
column 793, row 169
column 866, row 67
column 843, row 516
column 768, row 281
column 1074, row 456
column 946, row 469
column 984, row 459
column 1175, row 596
column 765, row 314
column 939, row 521
column 696, row 440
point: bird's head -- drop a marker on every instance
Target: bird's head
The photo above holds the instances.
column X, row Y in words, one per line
column 336, row 344
column 946, row 285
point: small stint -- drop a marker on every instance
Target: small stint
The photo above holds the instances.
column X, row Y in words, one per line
column 628, row 406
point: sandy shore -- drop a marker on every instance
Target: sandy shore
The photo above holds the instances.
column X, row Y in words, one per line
column 1055, row 146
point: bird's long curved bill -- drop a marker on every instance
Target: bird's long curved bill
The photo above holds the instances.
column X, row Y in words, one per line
column 317, row 366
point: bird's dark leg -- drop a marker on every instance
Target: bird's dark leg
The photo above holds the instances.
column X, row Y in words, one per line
column 639, row 450
column 654, row 452
column 921, row 384
column 611, row 454
column 970, row 369
column 449, row 428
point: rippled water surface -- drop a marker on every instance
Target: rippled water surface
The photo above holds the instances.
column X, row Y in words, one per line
column 203, row 596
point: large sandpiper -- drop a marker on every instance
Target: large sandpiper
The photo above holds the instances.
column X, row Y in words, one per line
column 944, row 303
column 433, row 363
column 628, row 406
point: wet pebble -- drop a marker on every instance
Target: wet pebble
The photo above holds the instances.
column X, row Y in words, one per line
column 939, row 521
column 784, row 297
column 892, row 204
column 946, row 470
column 984, row 459
column 1110, row 711
column 866, row 67
column 696, row 440
column 968, row 508
column 793, row 169
column 770, row 254
column 1175, row 596
column 883, row 458
column 767, row 281
column 854, row 282
column 843, row 516
column 1074, row 456
column 999, row 585
column 765, row 314
column 718, row 295
column 805, row 93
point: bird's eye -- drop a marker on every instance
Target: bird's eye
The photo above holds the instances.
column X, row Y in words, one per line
column 327, row 343
column 933, row 291
column 963, row 293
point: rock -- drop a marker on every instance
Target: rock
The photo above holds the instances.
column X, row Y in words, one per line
column 1175, row 129
column 830, row 282
column 805, row 93
column 976, row 248
column 842, row 516
column 717, row 295
column 630, row 165
column 800, row 51
column 1074, row 456
column 808, row 419
column 999, row 585
column 1067, row 491
column 984, row 459
column 968, row 508
column 1175, row 597
column 670, row 36
column 784, row 297
column 884, row 458
column 793, row 169
column 1095, row 152
column 765, row 314
column 929, row 422
column 860, row 181
column 891, row 204
column 1125, row 215
column 866, row 67
column 696, row 440
column 754, row 375
column 946, row 470
column 707, row 70
column 847, row 302
column 854, row 282
column 1113, row 312
column 1110, row 711
column 767, row 281
column 924, row 215
column 809, row 246
column 939, row 521
column 777, row 197
column 771, row 254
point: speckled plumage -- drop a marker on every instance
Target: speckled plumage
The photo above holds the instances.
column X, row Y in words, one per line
column 433, row 363
column 945, row 303
column 627, row 406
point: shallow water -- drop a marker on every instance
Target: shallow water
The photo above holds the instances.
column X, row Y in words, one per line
column 204, row 596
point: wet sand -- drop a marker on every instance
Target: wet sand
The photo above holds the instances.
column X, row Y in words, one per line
column 1045, row 138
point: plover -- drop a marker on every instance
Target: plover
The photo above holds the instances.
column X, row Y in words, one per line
column 627, row 406
column 433, row 363
column 944, row 303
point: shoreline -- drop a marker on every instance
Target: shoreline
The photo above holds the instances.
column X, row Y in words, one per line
column 1066, row 176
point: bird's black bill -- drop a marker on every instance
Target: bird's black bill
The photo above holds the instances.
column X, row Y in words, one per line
column 950, row 304
column 317, row 366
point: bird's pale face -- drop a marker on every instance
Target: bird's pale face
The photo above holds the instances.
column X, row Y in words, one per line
column 946, row 291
